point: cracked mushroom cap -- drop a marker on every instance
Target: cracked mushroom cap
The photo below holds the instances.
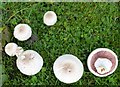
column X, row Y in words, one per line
column 22, row 32
column 29, row 62
column 102, row 62
column 68, row 68
column 50, row 18
column 10, row 49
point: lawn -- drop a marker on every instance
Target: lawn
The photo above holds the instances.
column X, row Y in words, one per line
column 80, row 28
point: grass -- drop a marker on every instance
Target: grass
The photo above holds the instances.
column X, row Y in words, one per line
column 81, row 28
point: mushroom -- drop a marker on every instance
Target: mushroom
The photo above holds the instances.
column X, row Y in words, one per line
column 68, row 68
column 102, row 62
column 22, row 32
column 50, row 18
column 10, row 49
column 29, row 62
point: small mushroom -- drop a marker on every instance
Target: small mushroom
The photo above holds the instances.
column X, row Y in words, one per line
column 29, row 62
column 10, row 49
column 102, row 62
column 50, row 18
column 68, row 68
column 22, row 32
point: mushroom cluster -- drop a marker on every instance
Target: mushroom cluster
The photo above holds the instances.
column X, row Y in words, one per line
column 29, row 62
column 67, row 68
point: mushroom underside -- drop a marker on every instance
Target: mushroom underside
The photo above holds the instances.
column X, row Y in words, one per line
column 103, row 54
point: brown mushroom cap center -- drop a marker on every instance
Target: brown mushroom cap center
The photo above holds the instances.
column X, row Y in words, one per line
column 28, row 58
column 67, row 67
column 103, row 54
column 21, row 29
column 49, row 15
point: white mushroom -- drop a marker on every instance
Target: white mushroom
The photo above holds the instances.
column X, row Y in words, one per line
column 22, row 32
column 103, row 65
column 29, row 62
column 10, row 49
column 68, row 68
column 102, row 62
column 50, row 18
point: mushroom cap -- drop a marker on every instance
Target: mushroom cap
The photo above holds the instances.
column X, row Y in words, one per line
column 68, row 68
column 10, row 49
column 29, row 62
column 22, row 32
column 103, row 53
column 50, row 18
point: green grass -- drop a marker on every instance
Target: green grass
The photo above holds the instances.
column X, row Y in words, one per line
column 81, row 28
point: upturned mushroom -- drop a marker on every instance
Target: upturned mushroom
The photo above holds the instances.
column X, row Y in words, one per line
column 68, row 68
column 22, row 32
column 102, row 62
column 10, row 49
column 50, row 18
column 29, row 62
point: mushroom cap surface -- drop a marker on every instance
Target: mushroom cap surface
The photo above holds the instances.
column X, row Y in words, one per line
column 10, row 49
column 29, row 62
column 22, row 32
column 50, row 18
column 68, row 68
